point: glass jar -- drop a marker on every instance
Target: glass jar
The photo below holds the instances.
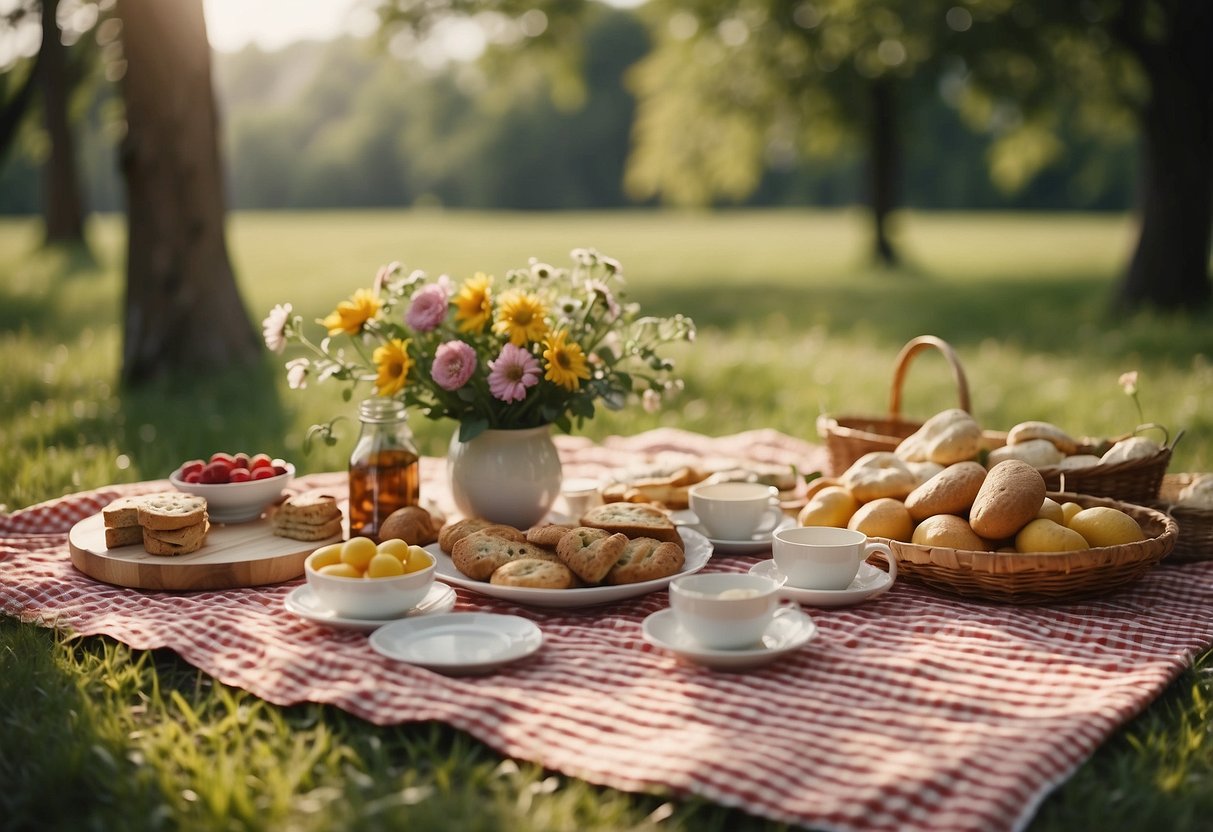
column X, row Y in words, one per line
column 384, row 466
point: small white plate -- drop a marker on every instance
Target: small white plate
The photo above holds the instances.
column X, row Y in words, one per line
column 459, row 643
column 870, row 582
column 302, row 601
column 695, row 546
column 790, row 629
column 760, row 542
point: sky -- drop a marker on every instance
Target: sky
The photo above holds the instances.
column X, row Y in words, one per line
column 272, row 24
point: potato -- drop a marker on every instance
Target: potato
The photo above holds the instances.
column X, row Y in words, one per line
column 948, row 531
column 1011, row 495
column 1045, row 536
column 951, row 491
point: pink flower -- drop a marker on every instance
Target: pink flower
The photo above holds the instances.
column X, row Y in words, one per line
column 428, row 308
column 454, row 363
column 512, row 373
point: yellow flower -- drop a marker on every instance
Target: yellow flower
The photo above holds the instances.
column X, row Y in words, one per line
column 565, row 361
column 520, row 316
column 392, row 365
column 474, row 303
column 351, row 315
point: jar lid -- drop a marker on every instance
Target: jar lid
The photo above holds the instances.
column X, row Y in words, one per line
column 382, row 410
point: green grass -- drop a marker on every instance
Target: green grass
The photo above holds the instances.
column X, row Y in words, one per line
column 793, row 322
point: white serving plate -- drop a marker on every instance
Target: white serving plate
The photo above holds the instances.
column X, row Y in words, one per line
column 458, row 643
column 696, row 547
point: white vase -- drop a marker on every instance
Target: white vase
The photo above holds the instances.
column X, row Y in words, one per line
column 507, row 476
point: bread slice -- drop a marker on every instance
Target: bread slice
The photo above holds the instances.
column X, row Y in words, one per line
column 533, row 573
column 123, row 536
column 308, row 531
column 646, row 559
column 633, row 520
column 591, row 552
column 171, row 510
column 480, row 554
column 310, row 508
column 122, row 513
column 173, row 542
column 180, row 537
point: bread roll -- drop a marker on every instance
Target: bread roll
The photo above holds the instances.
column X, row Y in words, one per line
column 1026, row 431
column 1010, row 496
column 878, row 474
column 948, row 436
column 951, row 491
column 885, row 517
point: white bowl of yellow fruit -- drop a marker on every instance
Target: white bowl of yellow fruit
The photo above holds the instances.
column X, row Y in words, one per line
column 361, row 579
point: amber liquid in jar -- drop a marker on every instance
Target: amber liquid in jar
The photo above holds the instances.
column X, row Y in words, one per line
column 379, row 484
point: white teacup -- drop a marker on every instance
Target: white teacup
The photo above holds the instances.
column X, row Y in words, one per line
column 580, row 495
column 823, row 557
column 725, row 611
column 735, row 510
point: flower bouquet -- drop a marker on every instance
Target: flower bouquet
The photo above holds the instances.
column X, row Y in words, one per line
column 540, row 346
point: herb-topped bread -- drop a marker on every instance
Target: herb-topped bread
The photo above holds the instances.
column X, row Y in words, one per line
column 633, row 520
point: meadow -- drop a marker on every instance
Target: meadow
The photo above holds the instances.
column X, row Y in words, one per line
column 793, row 321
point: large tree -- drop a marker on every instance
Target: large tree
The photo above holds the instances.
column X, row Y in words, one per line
column 1149, row 61
column 183, row 309
column 52, row 77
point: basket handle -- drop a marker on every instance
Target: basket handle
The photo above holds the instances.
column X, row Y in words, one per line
column 924, row 342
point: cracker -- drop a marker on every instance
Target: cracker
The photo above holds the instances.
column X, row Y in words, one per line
column 453, row 533
column 633, row 520
column 308, row 531
column 311, row 508
column 481, row 553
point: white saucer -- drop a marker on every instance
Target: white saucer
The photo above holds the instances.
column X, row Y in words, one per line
column 302, row 601
column 790, row 630
column 760, row 542
column 458, row 643
column 869, row 583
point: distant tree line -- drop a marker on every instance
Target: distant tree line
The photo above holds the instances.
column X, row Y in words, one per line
column 347, row 124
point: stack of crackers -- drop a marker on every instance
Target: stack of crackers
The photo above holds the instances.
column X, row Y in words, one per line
column 167, row 524
column 309, row 516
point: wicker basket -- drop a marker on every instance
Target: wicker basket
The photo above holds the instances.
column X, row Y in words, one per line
column 1040, row 578
column 850, row 437
column 1195, row 539
column 1136, row 481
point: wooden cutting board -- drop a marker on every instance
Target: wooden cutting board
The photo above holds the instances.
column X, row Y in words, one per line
column 241, row 554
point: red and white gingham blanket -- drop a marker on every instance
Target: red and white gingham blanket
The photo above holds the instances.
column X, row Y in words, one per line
column 915, row 711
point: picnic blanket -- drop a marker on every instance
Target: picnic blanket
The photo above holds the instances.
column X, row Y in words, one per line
column 914, row 711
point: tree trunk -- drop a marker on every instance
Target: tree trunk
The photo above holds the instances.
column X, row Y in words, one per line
column 183, row 309
column 62, row 203
column 883, row 166
column 1170, row 267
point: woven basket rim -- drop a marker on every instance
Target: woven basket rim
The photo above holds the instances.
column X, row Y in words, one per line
column 1034, row 576
column 1162, row 456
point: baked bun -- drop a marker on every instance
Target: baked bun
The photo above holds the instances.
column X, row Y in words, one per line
column 1039, row 453
column 949, row 532
column 951, row 491
column 1026, row 431
column 1198, row 493
column 412, row 524
column 878, row 474
column 947, row 437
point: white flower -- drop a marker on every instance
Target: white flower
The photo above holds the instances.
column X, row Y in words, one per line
column 296, row 373
column 273, row 328
column 651, row 401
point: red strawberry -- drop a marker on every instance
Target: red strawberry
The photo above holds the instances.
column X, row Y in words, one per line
column 216, row 472
column 194, row 466
column 240, row 475
column 240, row 460
column 260, row 461
column 221, row 456
column 263, row 473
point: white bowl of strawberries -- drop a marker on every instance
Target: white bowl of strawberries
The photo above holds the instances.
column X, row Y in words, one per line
column 237, row 487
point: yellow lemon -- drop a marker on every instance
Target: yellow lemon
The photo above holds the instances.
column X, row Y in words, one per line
column 418, row 559
column 831, row 506
column 1106, row 526
column 1068, row 510
column 396, row 548
column 358, row 551
column 326, row 556
column 885, row 517
column 340, row 570
column 1050, row 509
column 1043, row 535
column 384, row 565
